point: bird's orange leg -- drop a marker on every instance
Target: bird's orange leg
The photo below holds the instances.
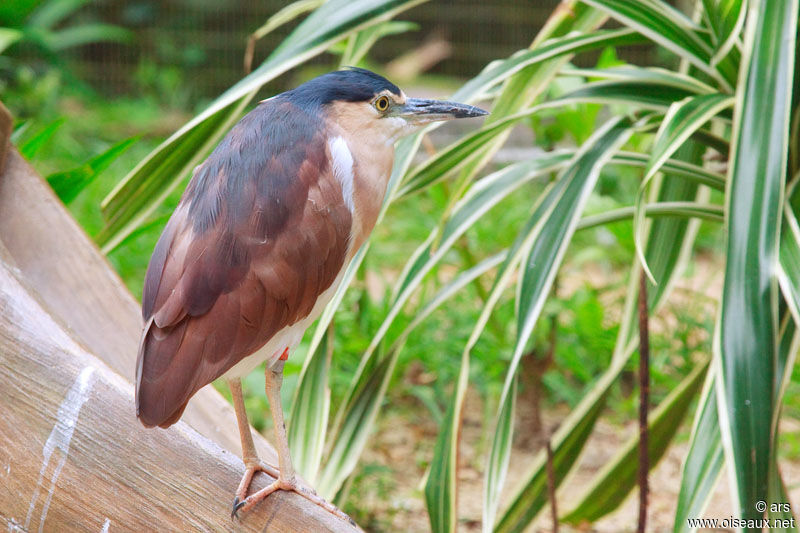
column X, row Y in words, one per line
column 286, row 478
column 249, row 454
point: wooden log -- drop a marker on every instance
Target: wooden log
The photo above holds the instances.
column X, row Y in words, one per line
column 73, row 457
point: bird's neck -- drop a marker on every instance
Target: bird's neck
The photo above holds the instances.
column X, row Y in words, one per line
column 373, row 159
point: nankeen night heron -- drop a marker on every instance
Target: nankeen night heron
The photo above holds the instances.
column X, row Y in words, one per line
column 259, row 242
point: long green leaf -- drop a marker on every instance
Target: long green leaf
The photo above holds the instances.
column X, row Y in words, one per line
column 541, row 261
column 667, row 27
column 86, row 34
column 440, row 489
column 705, row 457
column 458, row 154
column 69, row 183
column 485, row 194
column 789, row 273
column 310, row 410
column 789, row 280
column 48, row 14
column 681, row 121
column 776, row 491
column 359, row 43
column 521, row 90
column 146, row 186
column 675, row 168
column 668, row 243
column 726, row 18
column 518, row 93
column 359, row 412
column 653, row 75
column 638, row 93
column 567, row 443
column 710, row 212
column 481, row 197
column 498, row 71
column 31, row 147
column 356, row 425
column 609, row 487
column 746, row 343
column 703, row 462
column 286, row 15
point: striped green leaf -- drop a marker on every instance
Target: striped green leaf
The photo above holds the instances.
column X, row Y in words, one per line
column 640, row 94
column 682, row 120
column 359, row 44
column 498, row 71
column 672, row 238
column 69, row 183
column 551, row 236
column 286, row 15
column 725, row 18
column 612, row 484
column 706, row 456
column 711, row 212
column 518, row 93
column 480, row 198
column 703, row 462
column 440, row 489
column 667, row 27
column 746, row 343
column 789, row 273
column 310, row 409
column 356, row 426
column 362, row 404
column 675, row 168
column 147, row 185
column 653, row 75
column 458, row 154
column 521, row 90
column 484, row 195
column 567, row 443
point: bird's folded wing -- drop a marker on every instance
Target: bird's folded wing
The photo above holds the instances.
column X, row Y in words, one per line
column 260, row 233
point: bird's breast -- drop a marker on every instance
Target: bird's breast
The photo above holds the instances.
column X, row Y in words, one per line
column 371, row 169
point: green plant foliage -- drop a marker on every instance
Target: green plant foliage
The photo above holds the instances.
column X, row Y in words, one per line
column 616, row 479
column 68, row 184
column 45, row 29
column 747, row 342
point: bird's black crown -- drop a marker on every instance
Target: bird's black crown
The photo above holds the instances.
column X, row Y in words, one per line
column 350, row 85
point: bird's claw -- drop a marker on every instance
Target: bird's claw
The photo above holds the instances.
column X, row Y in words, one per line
column 237, row 504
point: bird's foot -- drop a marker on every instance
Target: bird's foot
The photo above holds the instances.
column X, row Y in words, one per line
column 244, row 503
column 244, row 485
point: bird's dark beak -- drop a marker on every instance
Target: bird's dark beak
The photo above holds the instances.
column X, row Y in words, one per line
column 422, row 111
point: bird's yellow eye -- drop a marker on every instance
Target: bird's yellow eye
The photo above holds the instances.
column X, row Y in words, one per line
column 382, row 103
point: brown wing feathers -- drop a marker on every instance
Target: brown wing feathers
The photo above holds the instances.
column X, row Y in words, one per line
column 261, row 231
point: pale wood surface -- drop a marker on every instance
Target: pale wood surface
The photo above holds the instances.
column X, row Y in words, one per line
column 73, row 456
column 64, row 310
